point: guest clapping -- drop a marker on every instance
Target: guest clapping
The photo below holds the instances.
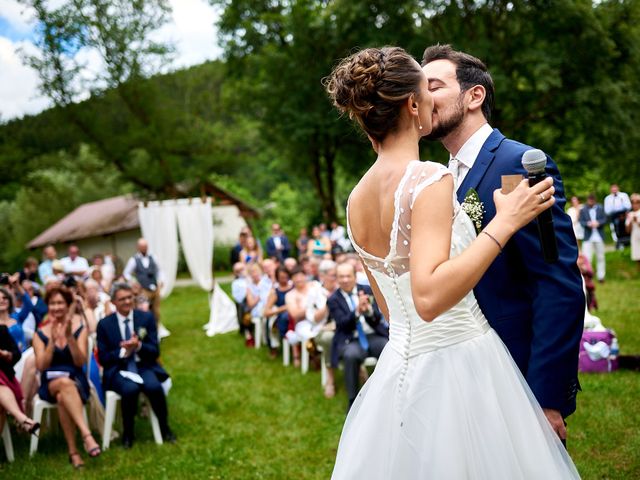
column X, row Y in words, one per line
column 360, row 329
column 61, row 351
column 128, row 350
column 276, row 307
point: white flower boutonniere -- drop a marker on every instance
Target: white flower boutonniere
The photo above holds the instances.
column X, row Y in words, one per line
column 142, row 333
column 474, row 208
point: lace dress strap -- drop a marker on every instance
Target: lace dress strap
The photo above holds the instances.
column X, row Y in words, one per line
column 422, row 175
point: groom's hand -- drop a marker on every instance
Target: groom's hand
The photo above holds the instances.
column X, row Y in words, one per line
column 557, row 422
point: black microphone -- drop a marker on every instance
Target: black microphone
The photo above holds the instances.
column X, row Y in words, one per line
column 534, row 162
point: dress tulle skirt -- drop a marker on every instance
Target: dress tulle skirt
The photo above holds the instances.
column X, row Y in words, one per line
column 460, row 412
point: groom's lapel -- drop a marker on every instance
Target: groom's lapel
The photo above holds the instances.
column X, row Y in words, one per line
column 481, row 165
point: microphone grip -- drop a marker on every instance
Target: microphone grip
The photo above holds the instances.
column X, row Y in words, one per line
column 547, row 235
column 546, row 230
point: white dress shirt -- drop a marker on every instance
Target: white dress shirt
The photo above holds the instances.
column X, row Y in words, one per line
column 78, row 264
column 616, row 203
column 468, row 153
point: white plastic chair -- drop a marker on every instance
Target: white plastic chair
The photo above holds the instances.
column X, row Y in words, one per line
column 259, row 330
column 8, row 443
column 368, row 362
column 286, row 352
column 112, row 399
column 40, row 405
column 6, row 432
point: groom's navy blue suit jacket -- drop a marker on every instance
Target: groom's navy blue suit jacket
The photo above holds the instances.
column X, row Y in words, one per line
column 536, row 308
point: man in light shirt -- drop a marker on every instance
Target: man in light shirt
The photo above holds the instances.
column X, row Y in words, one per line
column 616, row 206
column 45, row 270
column 74, row 264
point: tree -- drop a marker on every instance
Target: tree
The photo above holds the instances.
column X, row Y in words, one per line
column 150, row 129
column 563, row 71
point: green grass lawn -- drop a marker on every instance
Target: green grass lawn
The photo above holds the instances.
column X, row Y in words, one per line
column 240, row 415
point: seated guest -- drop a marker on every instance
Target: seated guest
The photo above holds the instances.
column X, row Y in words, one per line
column 30, row 270
column 74, row 264
column 290, row 263
column 128, row 350
column 276, row 308
column 301, row 242
column 61, row 351
column 245, row 232
column 10, row 392
column 319, row 244
column 361, row 331
column 296, row 302
column 278, row 244
column 269, row 266
column 251, row 253
column 339, row 242
column 320, row 326
column 239, row 294
column 258, row 288
column 11, row 318
column 39, row 307
column 99, row 303
column 102, row 272
column 45, row 270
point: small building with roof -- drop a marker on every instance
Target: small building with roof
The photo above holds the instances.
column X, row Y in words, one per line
column 112, row 225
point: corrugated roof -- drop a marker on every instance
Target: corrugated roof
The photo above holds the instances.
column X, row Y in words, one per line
column 93, row 219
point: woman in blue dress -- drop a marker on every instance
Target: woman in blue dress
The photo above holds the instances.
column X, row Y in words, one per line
column 61, row 351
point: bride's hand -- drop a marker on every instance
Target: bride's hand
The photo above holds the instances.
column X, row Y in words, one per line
column 525, row 203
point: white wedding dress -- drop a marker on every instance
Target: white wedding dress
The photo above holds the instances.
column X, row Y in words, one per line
column 446, row 400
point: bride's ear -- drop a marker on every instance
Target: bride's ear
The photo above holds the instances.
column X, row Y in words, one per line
column 412, row 105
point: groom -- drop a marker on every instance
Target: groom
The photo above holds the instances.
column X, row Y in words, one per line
column 536, row 308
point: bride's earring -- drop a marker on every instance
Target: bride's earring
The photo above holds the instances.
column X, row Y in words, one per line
column 419, row 123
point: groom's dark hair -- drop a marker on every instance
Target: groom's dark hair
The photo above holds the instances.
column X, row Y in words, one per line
column 470, row 71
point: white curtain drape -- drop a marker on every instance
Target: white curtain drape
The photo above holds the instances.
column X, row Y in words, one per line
column 158, row 226
column 223, row 317
column 195, row 225
column 160, row 222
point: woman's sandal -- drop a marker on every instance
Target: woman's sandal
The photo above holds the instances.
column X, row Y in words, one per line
column 76, row 465
column 93, row 452
column 30, row 426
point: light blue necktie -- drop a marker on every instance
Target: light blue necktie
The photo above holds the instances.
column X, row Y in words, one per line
column 131, row 361
column 362, row 337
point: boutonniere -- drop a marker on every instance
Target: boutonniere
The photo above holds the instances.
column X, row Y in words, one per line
column 142, row 333
column 474, row 208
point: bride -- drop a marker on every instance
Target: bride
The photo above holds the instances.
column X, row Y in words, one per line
column 446, row 400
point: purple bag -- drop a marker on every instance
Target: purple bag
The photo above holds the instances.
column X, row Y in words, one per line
column 598, row 351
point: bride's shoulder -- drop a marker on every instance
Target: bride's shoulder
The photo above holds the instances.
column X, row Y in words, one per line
column 428, row 172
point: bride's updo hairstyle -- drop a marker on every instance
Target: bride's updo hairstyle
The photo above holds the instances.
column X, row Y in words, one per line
column 372, row 85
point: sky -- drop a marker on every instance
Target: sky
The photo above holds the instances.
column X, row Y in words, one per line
column 191, row 30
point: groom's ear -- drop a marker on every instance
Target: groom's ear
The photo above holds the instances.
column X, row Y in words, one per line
column 476, row 95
